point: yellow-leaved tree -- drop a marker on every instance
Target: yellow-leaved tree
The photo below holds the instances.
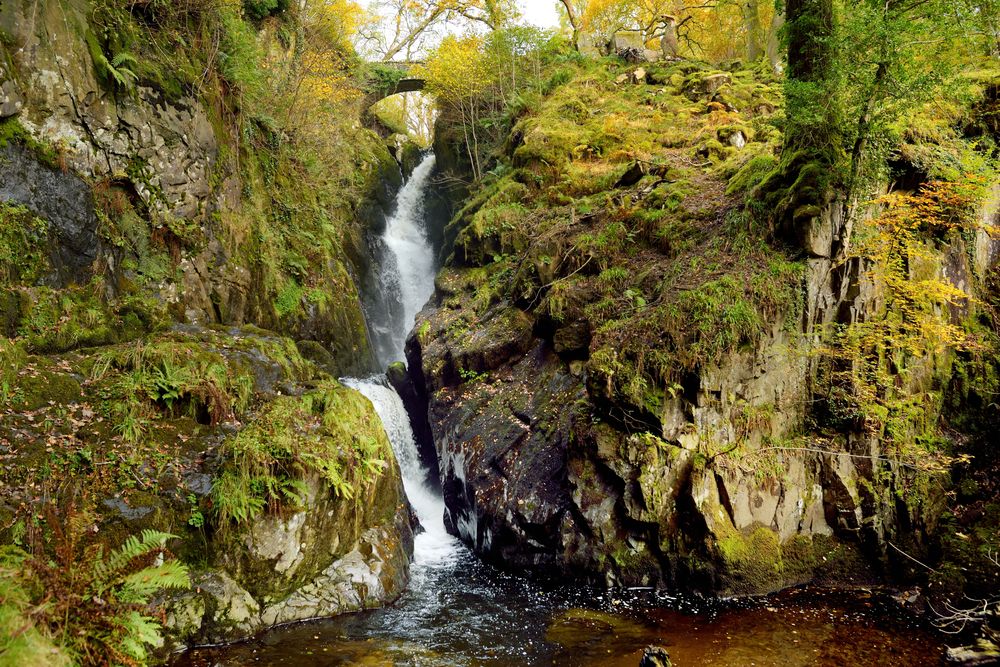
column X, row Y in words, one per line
column 457, row 74
column 320, row 87
column 715, row 31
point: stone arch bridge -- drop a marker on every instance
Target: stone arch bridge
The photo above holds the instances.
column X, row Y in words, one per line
column 406, row 84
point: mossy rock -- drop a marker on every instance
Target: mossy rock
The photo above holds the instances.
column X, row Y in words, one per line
column 752, row 563
column 44, row 387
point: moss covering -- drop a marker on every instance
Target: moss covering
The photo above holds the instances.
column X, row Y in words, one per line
column 23, row 246
column 329, row 431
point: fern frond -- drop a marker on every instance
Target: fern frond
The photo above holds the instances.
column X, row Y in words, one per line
column 123, row 58
column 140, row 586
column 108, row 570
column 137, row 631
column 294, row 490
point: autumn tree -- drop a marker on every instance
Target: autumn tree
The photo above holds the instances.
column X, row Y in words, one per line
column 404, row 27
column 852, row 75
column 712, row 29
column 476, row 79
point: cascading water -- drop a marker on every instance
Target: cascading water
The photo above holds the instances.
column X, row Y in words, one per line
column 405, row 267
column 433, row 547
column 408, row 268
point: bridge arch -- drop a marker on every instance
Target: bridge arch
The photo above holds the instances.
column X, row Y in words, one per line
column 405, row 84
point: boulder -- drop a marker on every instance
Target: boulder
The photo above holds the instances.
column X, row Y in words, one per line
column 11, row 101
column 655, row 656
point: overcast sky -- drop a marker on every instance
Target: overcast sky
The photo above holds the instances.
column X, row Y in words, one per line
column 542, row 13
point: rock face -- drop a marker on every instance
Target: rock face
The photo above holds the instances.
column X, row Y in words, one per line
column 544, row 468
column 536, row 477
column 62, row 199
column 166, row 147
column 607, row 407
column 159, row 154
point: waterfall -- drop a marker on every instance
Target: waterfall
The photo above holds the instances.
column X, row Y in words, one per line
column 406, row 280
column 434, row 544
column 405, row 273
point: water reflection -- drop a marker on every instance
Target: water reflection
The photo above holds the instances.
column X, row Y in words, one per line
column 483, row 617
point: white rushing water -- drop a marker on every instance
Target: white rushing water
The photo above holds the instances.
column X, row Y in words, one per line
column 413, row 266
column 433, row 546
column 412, row 269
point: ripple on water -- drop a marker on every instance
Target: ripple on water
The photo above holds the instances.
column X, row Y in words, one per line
column 462, row 612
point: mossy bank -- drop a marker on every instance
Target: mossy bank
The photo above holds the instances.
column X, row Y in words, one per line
column 181, row 249
column 633, row 379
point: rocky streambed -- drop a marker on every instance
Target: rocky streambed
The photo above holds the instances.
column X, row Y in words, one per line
column 470, row 614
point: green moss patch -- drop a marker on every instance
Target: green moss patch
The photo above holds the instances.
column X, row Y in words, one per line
column 330, row 431
column 24, row 242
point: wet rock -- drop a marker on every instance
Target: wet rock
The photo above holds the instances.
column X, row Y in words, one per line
column 415, row 402
column 984, row 652
column 63, row 200
column 655, row 656
column 540, row 469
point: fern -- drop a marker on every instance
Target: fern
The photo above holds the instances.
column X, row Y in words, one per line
column 139, row 587
column 135, row 632
column 93, row 605
column 119, row 70
column 109, row 571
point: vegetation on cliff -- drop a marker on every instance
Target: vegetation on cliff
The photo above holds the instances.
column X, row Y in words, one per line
column 664, row 226
column 202, row 170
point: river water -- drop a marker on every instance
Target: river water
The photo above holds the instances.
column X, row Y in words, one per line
column 459, row 612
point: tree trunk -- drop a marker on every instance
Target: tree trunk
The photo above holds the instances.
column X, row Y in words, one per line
column 813, row 135
column 773, row 41
column 574, row 22
column 809, row 96
column 809, row 36
column 851, row 192
column 751, row 23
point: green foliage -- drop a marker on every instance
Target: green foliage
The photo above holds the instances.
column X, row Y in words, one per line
column 853, row 76
column 118, row 70
column 260, row 9
column 470, row 376
column 877, row 371
column 240, row 58
column 330, row 432
column 93, row 603
column 289, row 298
column 22, row 642
column 51, row 320
column 142, row 380
column 23, row 245
column 380, row 77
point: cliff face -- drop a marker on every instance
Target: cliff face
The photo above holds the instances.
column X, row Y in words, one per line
column 628, row 384
column 161, row 247
column 170, row 158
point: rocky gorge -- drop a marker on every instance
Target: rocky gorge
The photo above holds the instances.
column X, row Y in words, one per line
column 649, row 352
column 567, row 446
